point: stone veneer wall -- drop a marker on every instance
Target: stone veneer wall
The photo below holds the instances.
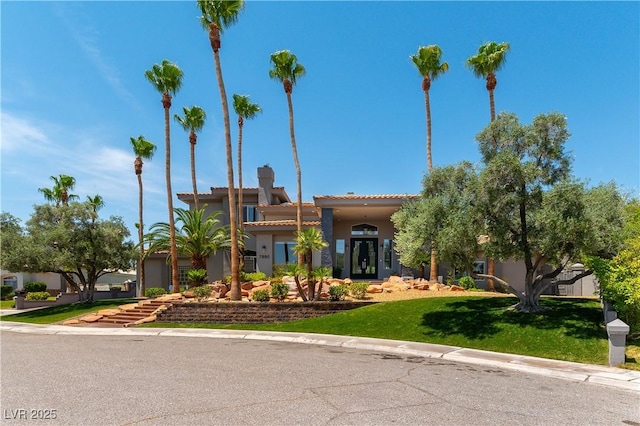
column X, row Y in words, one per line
column 253, row 312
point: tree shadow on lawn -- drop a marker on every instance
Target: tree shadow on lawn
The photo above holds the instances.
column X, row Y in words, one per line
column 479, row 318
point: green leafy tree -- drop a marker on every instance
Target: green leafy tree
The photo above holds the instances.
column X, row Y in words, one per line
column 198, row 235
column 490, row 59
column 619, row 278
column 193, row 121
column 286, row 69
column 442, row 216
column 142, row 149
column 427, row 61
column 308, row 241
column 59, row 194
column 534, row 211
column 216, row 16
column 166, row 78
column 246, row 110
column 70, row 240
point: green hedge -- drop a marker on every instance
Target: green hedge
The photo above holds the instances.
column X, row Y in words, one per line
column 35, row 286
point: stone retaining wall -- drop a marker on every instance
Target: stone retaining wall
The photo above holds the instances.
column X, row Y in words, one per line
column 252, row 312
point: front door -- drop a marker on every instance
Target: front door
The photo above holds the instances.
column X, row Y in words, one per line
column 364, row 258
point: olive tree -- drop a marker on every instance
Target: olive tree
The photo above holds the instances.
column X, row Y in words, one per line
column 522, row 205
column 70, row 240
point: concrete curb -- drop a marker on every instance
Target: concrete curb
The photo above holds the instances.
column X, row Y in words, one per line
column 601, row 375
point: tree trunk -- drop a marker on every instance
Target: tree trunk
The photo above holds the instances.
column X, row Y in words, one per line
column 240, row 194
column 296, row 278
column 433, row 271
column 311, row 284
column 192, row 141
column 491, row 267
column 236, row 292
column 298, row 174
column 141, row 288
column 166, row 102
column 492, row 106
column 428, row 108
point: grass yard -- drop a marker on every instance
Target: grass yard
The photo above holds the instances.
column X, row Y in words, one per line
column 6, row 304
column 572, row 330
column 59, row 313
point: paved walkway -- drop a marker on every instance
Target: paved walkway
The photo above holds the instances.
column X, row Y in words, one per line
column 597, row 374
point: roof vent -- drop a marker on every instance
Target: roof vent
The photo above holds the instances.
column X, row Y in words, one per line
column 350, row 193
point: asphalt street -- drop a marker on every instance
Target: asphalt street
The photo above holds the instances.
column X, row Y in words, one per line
column 151, row 380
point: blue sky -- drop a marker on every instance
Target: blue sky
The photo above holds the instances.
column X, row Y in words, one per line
column 73, row 92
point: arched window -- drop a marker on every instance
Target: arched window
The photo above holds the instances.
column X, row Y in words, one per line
column 364, row 229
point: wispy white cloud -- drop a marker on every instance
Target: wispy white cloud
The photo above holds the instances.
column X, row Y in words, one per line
column 85, row 35
column 19, row 134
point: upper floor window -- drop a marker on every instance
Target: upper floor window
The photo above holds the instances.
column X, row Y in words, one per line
column 364, row 229
column 249, row 213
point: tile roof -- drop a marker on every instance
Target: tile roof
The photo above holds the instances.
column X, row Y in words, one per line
column 364, row 197
column 285, row 205
column 281, row 223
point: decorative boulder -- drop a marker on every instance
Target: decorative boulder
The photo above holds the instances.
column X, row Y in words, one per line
column 456, row 288
column 247, row 286
column 375, row 288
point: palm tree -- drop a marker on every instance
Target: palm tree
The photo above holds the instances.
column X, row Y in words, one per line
column 490, row 58
column 193, row 121
column 245, row 110
column 142, row 149
column 307, row 242
column 287, row 70
column 216, row 16
column 166, row 78
column 197, row 236
column 427, row 61
column 59, row 194
column 96, row 202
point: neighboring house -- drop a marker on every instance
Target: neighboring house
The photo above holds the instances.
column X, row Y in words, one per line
column 55, row 281
column 357, row 228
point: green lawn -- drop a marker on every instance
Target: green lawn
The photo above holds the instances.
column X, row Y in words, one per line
column 6, row 304
column 571, row 330
column 59, row 313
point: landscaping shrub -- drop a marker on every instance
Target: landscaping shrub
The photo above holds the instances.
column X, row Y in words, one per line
column 279, row 290
column 5, row 291
column 279, row 271
column 202, row 292
column 116, row 288
column 154, row 291
column 35, row 286
column 261, row 295
column 252, row 276
column 358, row 290
column 338, row 292
column 38, row 295
column 196, row 277
column 467, row 283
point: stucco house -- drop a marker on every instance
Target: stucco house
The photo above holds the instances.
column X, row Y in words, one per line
column 357, row 228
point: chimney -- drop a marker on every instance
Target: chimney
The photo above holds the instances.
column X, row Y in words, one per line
column 266, row 178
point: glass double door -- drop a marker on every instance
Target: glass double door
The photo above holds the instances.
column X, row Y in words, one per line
column 364, row 258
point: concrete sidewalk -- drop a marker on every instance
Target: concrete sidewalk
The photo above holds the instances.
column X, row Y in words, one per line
column 602, row 375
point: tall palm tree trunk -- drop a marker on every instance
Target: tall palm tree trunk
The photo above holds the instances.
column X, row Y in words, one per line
column 235, row 293
column 433, row 271
column 491, row 85
column 298, row 174
column 141, row 239
column 240, row 195
column 427, row 106
column 166, row 103
column 192, row 141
